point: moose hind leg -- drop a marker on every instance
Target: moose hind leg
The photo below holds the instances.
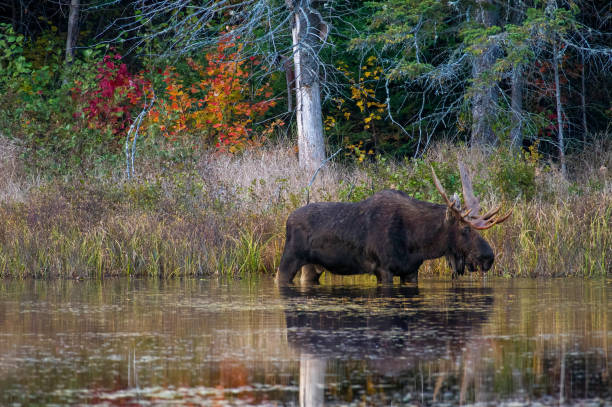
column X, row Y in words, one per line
column 310, row 274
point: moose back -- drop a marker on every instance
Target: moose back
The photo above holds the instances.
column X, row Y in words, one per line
column 389, row 234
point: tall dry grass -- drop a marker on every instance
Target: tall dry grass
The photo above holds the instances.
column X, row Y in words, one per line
column 225, row 215
column 14, row 182
column 264, row 178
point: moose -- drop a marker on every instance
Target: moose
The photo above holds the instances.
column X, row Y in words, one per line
column 389, row 234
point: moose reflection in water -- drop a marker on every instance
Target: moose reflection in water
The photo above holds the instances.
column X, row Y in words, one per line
column 386, row 335
column 389, row 234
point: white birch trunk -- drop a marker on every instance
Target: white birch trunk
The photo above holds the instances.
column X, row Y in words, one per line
column 308, row 32
column 311, row 148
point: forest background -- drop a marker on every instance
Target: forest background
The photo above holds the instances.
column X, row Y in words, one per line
column 172, row 138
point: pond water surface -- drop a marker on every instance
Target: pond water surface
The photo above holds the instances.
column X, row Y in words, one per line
column 210, row 342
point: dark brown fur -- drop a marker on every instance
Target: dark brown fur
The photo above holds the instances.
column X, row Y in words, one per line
column 389, row 234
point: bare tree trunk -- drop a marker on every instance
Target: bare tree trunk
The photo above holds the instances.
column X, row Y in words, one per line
column 309, row 30
column 560, row 137
column 484, row 100
column 290, row 79
column 517, row 85
column 73, row 30
column 585, row 129
column 516, row 104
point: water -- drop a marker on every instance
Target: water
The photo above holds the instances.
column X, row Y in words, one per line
column 206, row 342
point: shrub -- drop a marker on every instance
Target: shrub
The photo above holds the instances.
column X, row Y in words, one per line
column 218, row 106
column 514, row 173
column 412, row 176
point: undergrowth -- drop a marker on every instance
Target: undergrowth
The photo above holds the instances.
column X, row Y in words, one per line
column 225, row 215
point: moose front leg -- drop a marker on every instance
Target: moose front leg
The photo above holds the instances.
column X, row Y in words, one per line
column 409, row 278
column 411, row 274
column 383, row 276
column 289, row 266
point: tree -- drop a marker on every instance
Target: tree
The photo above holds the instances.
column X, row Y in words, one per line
column 308, row 32
column 73, row 30
column 552, row 40
column 418, row 64
column 551, row 8
column 262, row 28
column 484, row 91
column 484, row 70
column 517, row 84
column 511, row 71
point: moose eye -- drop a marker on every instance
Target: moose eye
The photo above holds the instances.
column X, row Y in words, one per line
column 465, row 230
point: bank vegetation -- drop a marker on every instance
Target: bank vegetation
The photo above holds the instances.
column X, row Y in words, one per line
column 223, row 215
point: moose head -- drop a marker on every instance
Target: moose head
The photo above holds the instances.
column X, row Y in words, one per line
column 469, row 247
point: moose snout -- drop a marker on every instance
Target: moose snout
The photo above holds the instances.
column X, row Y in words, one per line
column 486, row 260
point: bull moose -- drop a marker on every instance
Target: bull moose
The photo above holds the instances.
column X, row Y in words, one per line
column 389, row 234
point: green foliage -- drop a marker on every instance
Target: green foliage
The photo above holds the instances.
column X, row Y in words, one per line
column 37, row 108
column 46, row 49
column 393, row 22
column 477, row 37
column 411, row 27
column 412, row 176
column 14, row 66
column 145, row 195
column 514, row 173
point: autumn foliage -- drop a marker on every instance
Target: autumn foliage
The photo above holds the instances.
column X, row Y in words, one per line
column 117, row 93
column 221, row 107
column 363, row 112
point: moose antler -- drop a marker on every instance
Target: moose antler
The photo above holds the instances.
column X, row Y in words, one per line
column 452, row 204
column 440, row 189
column 471, row 214
column 471, row 201
column 480, row 222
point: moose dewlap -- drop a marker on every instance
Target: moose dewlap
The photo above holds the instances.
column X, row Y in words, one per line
column 389, row 234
